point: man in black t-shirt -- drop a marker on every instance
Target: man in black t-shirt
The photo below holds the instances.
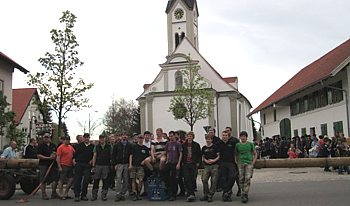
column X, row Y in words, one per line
column 210, row 157
column 227, row 167
column 137, row 158
column 30, row 151
column 47, row 156
column 82, row 160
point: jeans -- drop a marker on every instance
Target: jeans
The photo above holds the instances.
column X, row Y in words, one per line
column 189, row 172
column 228, row 174
column 122, row 179
column 81, row 179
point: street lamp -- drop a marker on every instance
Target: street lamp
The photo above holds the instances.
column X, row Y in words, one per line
column 90, row 122
column 31, row 127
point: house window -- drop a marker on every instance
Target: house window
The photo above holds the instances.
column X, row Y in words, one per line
column 303, row 131
column 264, row 118
column 324, row 129
column 296, row 133
column 1, row 87
column 274, row 115
column 338, row 127
column 178, row 79
column 337, row 94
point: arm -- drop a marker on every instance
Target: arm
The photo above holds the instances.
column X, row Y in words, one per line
column 178, row 165
column 152, row 153
column 94, row 159
column 130, row 161
column 255, row 156
column 4, row 154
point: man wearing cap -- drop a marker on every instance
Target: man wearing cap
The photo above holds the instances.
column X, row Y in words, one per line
column 47, row 156
column 65, row 166
column 101, row 163
column 82, row 160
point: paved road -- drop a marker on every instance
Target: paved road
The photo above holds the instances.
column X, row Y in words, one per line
column 287, row 187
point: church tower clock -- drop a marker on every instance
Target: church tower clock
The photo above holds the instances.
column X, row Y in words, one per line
column 182, row 21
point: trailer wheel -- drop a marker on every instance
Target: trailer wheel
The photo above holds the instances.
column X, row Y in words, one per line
column 28, row 184
column 7, row 187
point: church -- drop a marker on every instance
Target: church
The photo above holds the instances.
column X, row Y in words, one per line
column 230, row 106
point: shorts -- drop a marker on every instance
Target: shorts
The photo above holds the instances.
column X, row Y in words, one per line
column 66, row 173
column 137, row 172
column 101, row 171
column 53, row 175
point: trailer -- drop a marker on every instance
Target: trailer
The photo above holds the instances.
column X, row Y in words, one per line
column 18, row 171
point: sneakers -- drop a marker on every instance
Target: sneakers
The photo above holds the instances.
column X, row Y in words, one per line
column 54, row 195
column 238, row 194
column 210, row 199
column 191, row 198
column 226, row 197
column 76, row 199
column 94, row 197
column 104, row 197
column 204, row 198
column 245, row 198
column 117, row 198
column 84, row 198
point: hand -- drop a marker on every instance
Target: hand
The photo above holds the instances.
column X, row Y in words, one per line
column 177, row 166
column 60, row 169
column 74, row 162
column 130, row 167
column 93, row 170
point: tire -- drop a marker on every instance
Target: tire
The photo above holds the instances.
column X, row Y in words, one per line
column 28, row 184
column 7, row 187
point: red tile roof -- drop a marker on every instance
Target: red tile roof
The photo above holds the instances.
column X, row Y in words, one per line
column 12, row 63
column 318, row 70
column 21, row 100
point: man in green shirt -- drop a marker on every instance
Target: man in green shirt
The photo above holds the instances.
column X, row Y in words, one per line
column 245, row 157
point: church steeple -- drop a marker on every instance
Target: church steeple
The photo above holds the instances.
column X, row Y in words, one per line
column 182, row 17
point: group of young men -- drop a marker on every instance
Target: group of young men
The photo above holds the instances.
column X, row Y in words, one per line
column 174, row 160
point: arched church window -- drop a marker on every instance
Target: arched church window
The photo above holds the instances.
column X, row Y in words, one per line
column 182, row 35
column 177, row 40
column 178, row 79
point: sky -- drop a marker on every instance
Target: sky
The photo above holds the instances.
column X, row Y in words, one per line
column 122, row 43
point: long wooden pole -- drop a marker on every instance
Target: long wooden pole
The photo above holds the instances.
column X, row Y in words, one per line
column 261, row 163
column 302, row 162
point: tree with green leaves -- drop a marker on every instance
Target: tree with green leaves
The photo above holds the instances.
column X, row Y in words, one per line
column 193, row 100
column 58, row 85
column 121, row 116
column 6, row 116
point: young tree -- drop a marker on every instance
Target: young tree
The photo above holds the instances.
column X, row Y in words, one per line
column 62, row 91
column 193, row 100
column 120, row 116
column 6, row 117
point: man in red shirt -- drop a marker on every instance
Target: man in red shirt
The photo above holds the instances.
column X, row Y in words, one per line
column 65, row 166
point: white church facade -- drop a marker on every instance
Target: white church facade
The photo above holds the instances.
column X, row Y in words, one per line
column 231, row 107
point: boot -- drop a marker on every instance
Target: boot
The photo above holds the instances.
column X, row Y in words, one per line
column 104, row 196
column 94, row 194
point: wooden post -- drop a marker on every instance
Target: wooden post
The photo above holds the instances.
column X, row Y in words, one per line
column 302, row 162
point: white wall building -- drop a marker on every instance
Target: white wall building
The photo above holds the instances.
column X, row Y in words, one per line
column 314, row 101
column 231, row 107
column 7, row 66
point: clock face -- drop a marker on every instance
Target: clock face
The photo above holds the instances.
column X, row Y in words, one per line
column 179, row 13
